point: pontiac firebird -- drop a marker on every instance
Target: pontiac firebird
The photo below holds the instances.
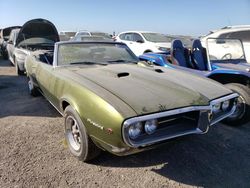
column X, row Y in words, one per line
column 113, row 102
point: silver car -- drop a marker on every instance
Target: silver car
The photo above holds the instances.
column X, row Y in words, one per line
column 11, row 48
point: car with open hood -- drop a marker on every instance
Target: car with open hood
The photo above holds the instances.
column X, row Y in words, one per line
column 111, row 101
column 36, row 34
column 4, row 37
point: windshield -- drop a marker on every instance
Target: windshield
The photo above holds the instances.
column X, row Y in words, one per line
column 155, row 37
column 94, row 53
column 225, row 49
column 106, row 35
column 90, row 38
column 83, row 33
column 69, row 33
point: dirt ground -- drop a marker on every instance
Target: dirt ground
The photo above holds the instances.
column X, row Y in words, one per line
column 33, row 153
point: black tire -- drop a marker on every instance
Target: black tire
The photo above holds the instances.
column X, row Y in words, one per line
column 32, row 89
column 5, row 55
column 80, row 144
column 18, row 71
column 242, row 113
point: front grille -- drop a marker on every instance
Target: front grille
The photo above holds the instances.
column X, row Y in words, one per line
column 174, row 126
column 186, row 120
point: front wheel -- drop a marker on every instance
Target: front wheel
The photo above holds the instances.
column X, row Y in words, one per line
column 242, row 112
column 80, row 144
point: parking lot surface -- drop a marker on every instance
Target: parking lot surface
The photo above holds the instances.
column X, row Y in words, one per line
column 33, row 152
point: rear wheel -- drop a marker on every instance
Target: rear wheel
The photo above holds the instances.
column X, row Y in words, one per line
column 5, row 55
column 32, row 89
column 242, row 112
column 80, row 144
column 18, row 71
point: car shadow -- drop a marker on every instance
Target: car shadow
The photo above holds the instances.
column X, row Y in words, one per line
column 5, row 63
column 16, row 101
column 14, row 96
column 217, row 159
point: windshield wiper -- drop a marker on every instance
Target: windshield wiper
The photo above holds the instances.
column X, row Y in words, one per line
column 121, row 61
column 87, row 63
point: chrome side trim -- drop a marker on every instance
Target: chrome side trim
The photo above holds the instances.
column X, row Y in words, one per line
column 51, row 103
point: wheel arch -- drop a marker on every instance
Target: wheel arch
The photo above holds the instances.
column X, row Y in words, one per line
column 64, row 102
column 231, row 78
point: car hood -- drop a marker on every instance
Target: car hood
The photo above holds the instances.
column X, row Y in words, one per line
column 238, row 66
column 6, row 32
column 37, row 29
column 150, row 89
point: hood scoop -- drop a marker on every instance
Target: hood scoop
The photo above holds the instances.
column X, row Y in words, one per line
column 122, row 74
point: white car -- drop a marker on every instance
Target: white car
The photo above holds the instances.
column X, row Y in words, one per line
column 241, row 32
column 92, row 33
column 66, row 35
column 11, row 45
column 141, row 42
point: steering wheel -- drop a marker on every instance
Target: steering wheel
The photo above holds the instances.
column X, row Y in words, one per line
column 227, row 56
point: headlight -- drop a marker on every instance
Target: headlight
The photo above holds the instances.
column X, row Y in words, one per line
column 162, row 49
column 225, row 105
column 135, row 130
column 151, row 126
column 216, row 107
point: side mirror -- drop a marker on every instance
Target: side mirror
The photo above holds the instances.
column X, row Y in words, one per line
column 140, row 41
column 220, row 41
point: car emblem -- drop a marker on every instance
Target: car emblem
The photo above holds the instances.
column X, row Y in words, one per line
column 95, row 124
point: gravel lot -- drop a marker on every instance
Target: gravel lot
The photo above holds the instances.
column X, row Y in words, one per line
column 33, row 151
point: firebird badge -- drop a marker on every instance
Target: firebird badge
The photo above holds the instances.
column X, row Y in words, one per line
column 95, row 124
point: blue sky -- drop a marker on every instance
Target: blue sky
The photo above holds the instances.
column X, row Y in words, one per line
column 193, row 17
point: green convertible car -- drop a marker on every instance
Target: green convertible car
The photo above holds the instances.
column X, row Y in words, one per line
column 113, row 102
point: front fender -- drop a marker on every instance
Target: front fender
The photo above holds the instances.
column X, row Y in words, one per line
column 100, row 118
